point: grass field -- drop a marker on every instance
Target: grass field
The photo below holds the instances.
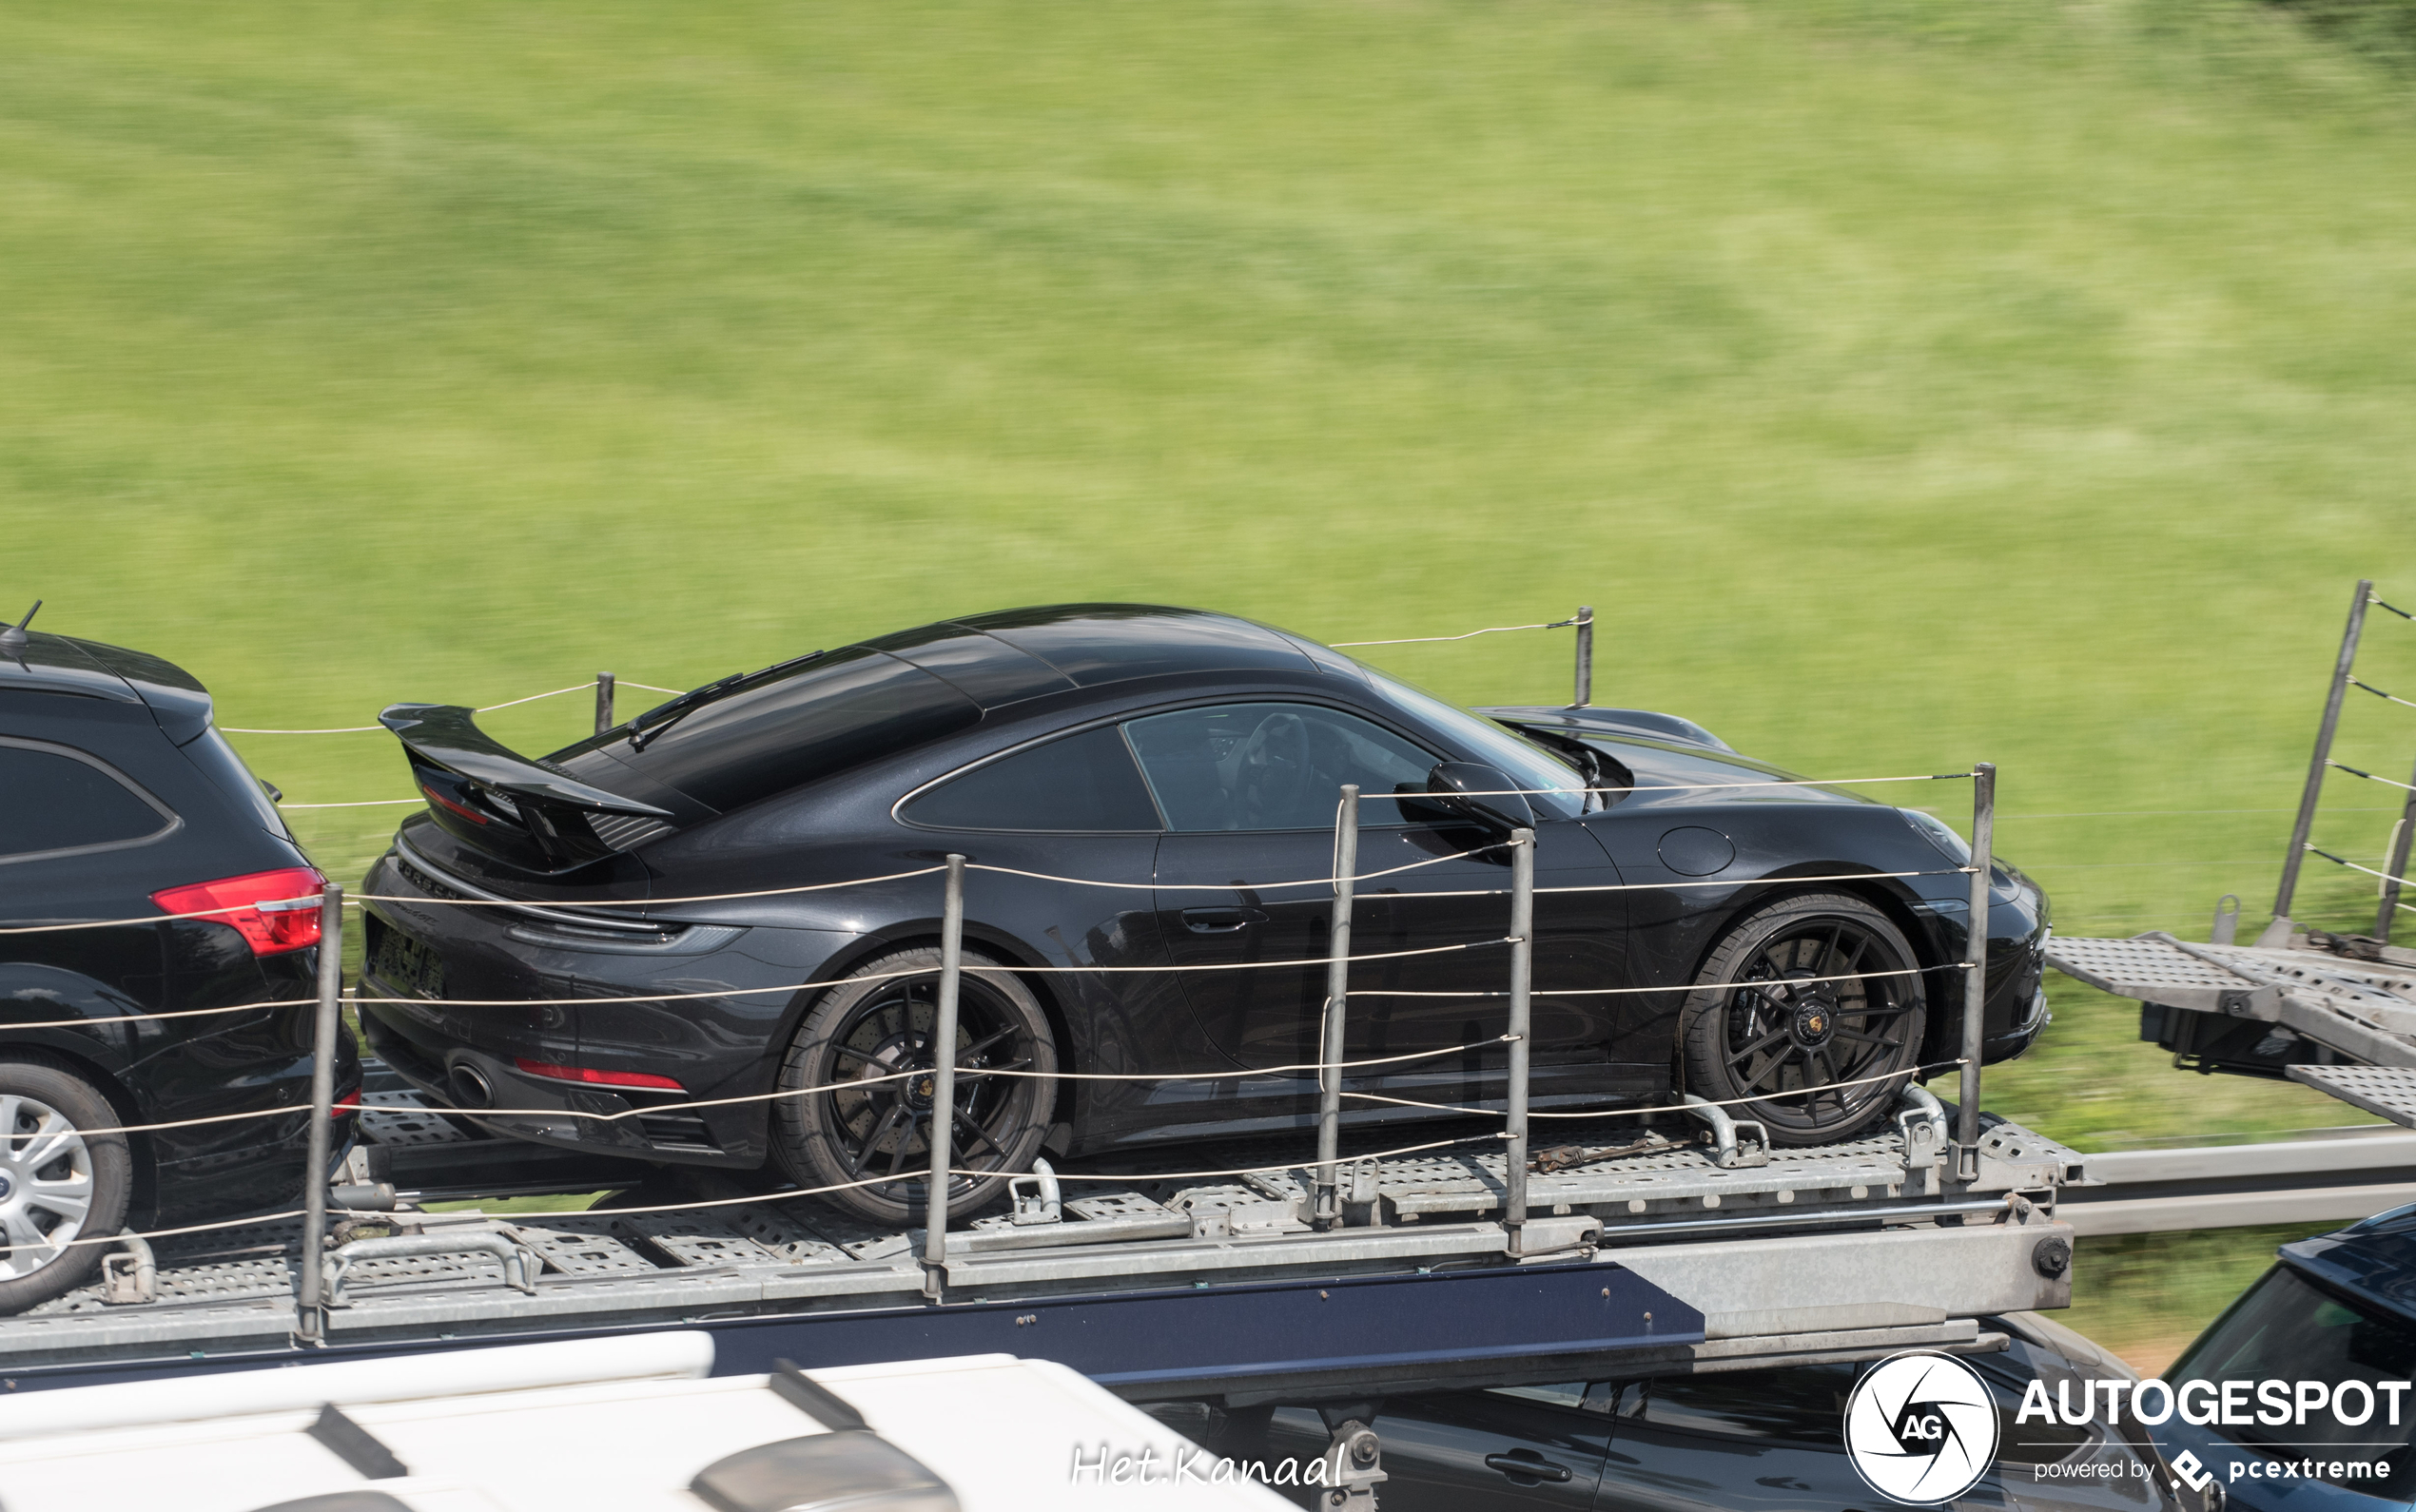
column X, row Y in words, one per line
column 2026, row 387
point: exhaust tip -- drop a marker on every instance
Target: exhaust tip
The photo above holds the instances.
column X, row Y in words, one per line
column 471, row 1087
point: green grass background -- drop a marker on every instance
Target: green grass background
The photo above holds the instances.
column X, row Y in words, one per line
column 1903, row 388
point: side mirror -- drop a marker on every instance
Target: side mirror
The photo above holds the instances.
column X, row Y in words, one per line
column 1483, row 795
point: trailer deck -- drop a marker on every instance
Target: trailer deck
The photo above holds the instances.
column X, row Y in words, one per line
column 1671, row 1256
column 2344, row 1024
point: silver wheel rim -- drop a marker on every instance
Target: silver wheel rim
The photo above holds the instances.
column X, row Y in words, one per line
column 47, row 1170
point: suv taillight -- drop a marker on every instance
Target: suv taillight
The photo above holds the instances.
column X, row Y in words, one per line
column 274, row 911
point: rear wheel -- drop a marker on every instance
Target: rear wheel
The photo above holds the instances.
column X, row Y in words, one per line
column 869, row 1041
column 60, row 1181
column 1819, row 1059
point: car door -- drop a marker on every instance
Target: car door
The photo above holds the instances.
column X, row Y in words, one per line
column 1514, row 1449
column 1744, row 1440
column 1250, row 789
column 1072, row 824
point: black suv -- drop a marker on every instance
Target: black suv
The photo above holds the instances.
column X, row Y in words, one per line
column 120, row 801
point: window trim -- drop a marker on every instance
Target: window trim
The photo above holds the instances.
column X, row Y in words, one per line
column 897, row 810
column 1286, row 697
column 175, row 821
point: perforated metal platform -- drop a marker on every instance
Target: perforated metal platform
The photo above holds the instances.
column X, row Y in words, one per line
column 2359, row 1011
column 233, row 1291
column 2388, row 1091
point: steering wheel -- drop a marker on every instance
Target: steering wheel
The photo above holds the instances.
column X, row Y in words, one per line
column 1269, row 775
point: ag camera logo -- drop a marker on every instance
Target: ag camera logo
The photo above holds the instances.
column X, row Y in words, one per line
column 1920, row 1429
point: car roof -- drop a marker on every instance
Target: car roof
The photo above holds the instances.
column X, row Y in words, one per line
column 1008, row 656
column 63, row 663
column 2374, row 1260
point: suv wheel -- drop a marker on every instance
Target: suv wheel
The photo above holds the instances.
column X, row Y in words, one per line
column 59, row 1182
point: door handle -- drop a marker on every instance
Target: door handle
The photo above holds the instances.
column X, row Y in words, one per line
column 1527, row 1463
column 1221, row 920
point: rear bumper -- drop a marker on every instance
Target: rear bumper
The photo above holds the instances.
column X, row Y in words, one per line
column 465, row 1080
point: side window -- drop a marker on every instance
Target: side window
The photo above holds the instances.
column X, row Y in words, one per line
column 1567, row 1394
column 1801, row 1403
column 2033, row 1443
column 1270, row 766
column 63, row 801
column 1084, row 782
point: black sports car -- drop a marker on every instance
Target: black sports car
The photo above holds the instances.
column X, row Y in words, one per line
column 1137, row 787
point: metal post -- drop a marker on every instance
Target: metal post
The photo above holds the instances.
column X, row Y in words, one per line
column 2278, row 932
column 935, row 1203
column 2400, row 834
column 1522, row 975
column 604, row 720
column 1327, row 1210
column 310, row 1319
column 1976, row 966
column 1585, row 657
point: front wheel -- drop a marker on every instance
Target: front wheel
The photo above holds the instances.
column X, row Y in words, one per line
column 63, row 1183
column 1772, row 1030
column 869, row 1042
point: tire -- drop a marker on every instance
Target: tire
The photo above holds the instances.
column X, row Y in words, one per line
column 1780, row 1046
column 61, row 1184
column 878, row 1023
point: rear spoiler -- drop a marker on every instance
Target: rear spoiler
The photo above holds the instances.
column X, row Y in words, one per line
column 500, row 801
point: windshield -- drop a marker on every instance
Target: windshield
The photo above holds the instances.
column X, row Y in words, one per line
column 1554, row 788
column 2287, row 1329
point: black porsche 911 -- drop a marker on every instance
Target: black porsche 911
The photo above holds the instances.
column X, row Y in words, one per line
column 1157, row 788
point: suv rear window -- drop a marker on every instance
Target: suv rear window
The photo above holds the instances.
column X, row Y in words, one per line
column 62, row 802
column 794, row 724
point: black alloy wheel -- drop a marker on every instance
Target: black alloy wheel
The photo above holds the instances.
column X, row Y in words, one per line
column 871, row 1042
column 1820, row 1058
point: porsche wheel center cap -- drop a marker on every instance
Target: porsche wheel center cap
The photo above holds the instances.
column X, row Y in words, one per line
column 1815, row 1022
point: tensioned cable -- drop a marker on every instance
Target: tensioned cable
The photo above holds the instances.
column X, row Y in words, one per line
column 1240, row 1170
column 140, row 1015
column 1680, row 1107
column 148, row 919
column 366, row 803
column 1700, row 986
column 2393, row 608
column 2369, row 871
column 2359, row 771
column 358, row 729
column 399, row 1218
column 927, row 971
column 852, row 1084
column 1417, row 640
column 1678, row 787
column 2379, row 693
column 643, row 902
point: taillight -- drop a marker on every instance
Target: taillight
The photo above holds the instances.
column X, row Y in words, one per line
column 599, row 1078
column 274, row 911
column 346, row 1106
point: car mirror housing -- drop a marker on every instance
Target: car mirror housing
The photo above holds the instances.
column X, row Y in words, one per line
column 1484, row 795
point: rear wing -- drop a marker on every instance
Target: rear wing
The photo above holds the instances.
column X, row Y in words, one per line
column 502, row 803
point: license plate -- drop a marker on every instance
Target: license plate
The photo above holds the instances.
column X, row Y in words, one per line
column 404, row 962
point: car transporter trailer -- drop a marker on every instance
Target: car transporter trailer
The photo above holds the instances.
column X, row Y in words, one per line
column 1333, row 1283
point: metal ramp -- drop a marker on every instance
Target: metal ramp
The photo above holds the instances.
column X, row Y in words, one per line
column 2343, row 1024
